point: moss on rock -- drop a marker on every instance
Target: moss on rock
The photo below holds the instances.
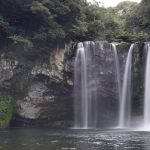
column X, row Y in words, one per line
column 5, row 109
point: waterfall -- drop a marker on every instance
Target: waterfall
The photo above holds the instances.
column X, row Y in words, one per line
column 117, row 71
column 85, row 86
column 146, row 91
column 125, row 103
column 86, row 76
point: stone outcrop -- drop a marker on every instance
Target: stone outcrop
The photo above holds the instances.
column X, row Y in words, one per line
column 54, row 68
column 37, row 97
column 7, row 68
column 49, row 89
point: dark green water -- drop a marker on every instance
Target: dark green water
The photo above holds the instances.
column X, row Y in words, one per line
column 72, row 139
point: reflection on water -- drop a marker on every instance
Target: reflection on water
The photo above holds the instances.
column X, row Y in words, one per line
column 72, row 139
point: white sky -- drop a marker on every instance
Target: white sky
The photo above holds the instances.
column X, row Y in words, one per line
column 108, row 3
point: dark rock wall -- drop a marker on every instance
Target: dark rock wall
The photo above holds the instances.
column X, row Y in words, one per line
column 43, row 95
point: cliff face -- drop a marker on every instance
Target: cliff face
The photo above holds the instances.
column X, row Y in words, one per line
column 7, row 68
column 37, row 95
column 49, row 97
column 43, row 95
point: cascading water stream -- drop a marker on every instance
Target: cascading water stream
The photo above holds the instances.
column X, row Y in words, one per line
column 117, row 71
column 81, row 58
column 125, row 103
column 83, row 76
column 147, row 92
column 86, row 86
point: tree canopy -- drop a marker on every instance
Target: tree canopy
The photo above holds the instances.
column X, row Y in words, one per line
column 39, row 26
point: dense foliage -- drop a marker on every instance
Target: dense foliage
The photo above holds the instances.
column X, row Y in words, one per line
column 38, row 27
column 5, row 109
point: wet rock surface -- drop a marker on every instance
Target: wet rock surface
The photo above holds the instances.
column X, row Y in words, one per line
column 49, row 96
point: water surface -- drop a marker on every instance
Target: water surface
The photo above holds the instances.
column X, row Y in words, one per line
column 73, row 139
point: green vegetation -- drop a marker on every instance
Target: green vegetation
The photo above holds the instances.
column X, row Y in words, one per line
column 5, row 109
column 36, row 28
